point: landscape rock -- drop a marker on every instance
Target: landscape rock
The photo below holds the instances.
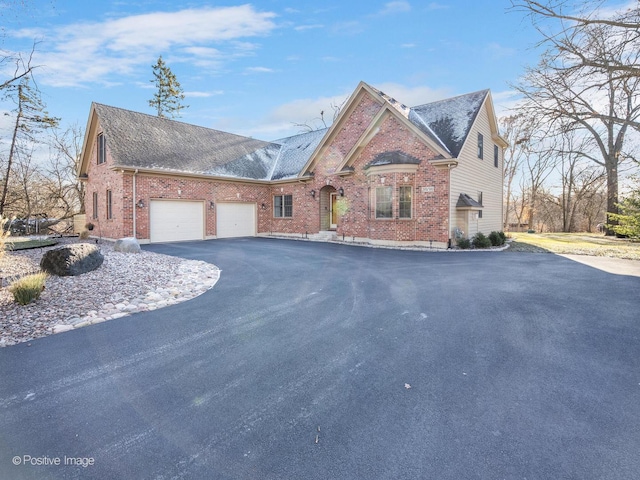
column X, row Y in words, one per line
column 127, row 245
column 72, row 260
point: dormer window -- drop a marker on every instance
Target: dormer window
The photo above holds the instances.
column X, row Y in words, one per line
column 102, row 149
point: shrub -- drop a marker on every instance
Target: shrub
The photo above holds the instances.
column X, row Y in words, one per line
column 497, row 238
column 480, row 240
column 464, row 243
column 28, row 288
column 84, row 234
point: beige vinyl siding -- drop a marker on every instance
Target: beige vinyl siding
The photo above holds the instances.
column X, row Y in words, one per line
column 474, row 175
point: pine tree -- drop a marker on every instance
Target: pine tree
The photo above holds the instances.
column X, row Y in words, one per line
column 628, row 220
column 169, row 95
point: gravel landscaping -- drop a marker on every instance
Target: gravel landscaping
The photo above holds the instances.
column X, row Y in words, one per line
column 125, row 283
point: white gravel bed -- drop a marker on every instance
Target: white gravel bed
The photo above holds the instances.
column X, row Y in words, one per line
column 124, row 283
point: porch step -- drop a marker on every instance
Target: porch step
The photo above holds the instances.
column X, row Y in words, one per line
column 323, row 236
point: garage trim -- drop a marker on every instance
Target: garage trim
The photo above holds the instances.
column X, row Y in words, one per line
column 236, row 219
column 176, row 220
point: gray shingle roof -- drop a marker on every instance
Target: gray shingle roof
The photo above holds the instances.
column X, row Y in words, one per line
column 295, row 153
column 180, row 147
column 138, row 140
column 465, row 200
column 145, row 141
column 449, row 120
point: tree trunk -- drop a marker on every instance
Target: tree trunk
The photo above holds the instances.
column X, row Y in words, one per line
column 11, row 151
column 612, row 193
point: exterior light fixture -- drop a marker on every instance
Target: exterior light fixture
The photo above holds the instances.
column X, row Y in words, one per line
column 140, row 203
column 212, row 205
column 264, row 206
column 341, row 191
column 313, row 193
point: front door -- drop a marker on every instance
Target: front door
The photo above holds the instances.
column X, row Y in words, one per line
column 334, row 211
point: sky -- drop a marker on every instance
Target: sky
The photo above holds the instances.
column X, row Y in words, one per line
column 263, row 68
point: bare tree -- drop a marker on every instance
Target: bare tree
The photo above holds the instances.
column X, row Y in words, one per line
column 517, row 130
column 31, row 119
column 538, row 165
column 566, row 26
column 320, row 122
column 599, row 103
column 62, row 186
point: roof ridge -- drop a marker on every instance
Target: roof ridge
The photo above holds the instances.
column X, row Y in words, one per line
column 485, row 91
column 171, row 120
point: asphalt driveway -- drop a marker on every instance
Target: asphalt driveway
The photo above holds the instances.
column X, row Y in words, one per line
column 324, row 361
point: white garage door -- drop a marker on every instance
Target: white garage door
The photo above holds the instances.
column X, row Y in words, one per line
column 235, row 220
column 176, row 220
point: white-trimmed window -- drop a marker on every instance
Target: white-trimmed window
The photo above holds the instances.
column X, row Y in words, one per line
column 496, row 156
column 480, row 146
column 384, row 202
column 283, row 206
column 102, row 149
column 480, row 202
column 405, row 195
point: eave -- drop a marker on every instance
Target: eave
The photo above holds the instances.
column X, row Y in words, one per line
column 392, row 168
column 444, row 163
column 178, row 173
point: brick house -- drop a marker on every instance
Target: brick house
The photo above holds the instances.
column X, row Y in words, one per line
column 382, row 173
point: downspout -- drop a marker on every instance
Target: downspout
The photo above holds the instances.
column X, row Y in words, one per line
column 449, row 243
column 133, row 200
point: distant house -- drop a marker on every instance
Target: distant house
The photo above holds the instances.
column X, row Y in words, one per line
column 382, row 173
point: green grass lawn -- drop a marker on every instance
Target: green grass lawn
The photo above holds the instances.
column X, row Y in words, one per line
column 576, row 243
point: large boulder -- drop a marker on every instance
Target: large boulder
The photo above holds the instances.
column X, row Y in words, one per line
column 74, row 259
column 127, row 245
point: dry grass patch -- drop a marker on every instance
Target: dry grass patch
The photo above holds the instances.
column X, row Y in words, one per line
column 576, row 244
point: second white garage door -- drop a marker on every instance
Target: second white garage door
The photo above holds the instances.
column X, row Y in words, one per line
column 235, row 220
column 175, row 221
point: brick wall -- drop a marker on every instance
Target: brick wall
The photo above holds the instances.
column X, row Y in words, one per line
column 149, row 187
column 430, row 207
column 101, row 179
column 430, row 189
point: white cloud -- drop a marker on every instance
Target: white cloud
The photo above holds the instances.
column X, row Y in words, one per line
column 408, row 45
column 102, row 52
column 437, row 6
column 398, row 6
column 250, row 70
column 351, row 27
column 504, row 102
column 285, row 120
column 195, row 94
column 497, row 51
column 413, row 96
column 302, row 28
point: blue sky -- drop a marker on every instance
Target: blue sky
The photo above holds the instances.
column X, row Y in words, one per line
column 259, row 68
